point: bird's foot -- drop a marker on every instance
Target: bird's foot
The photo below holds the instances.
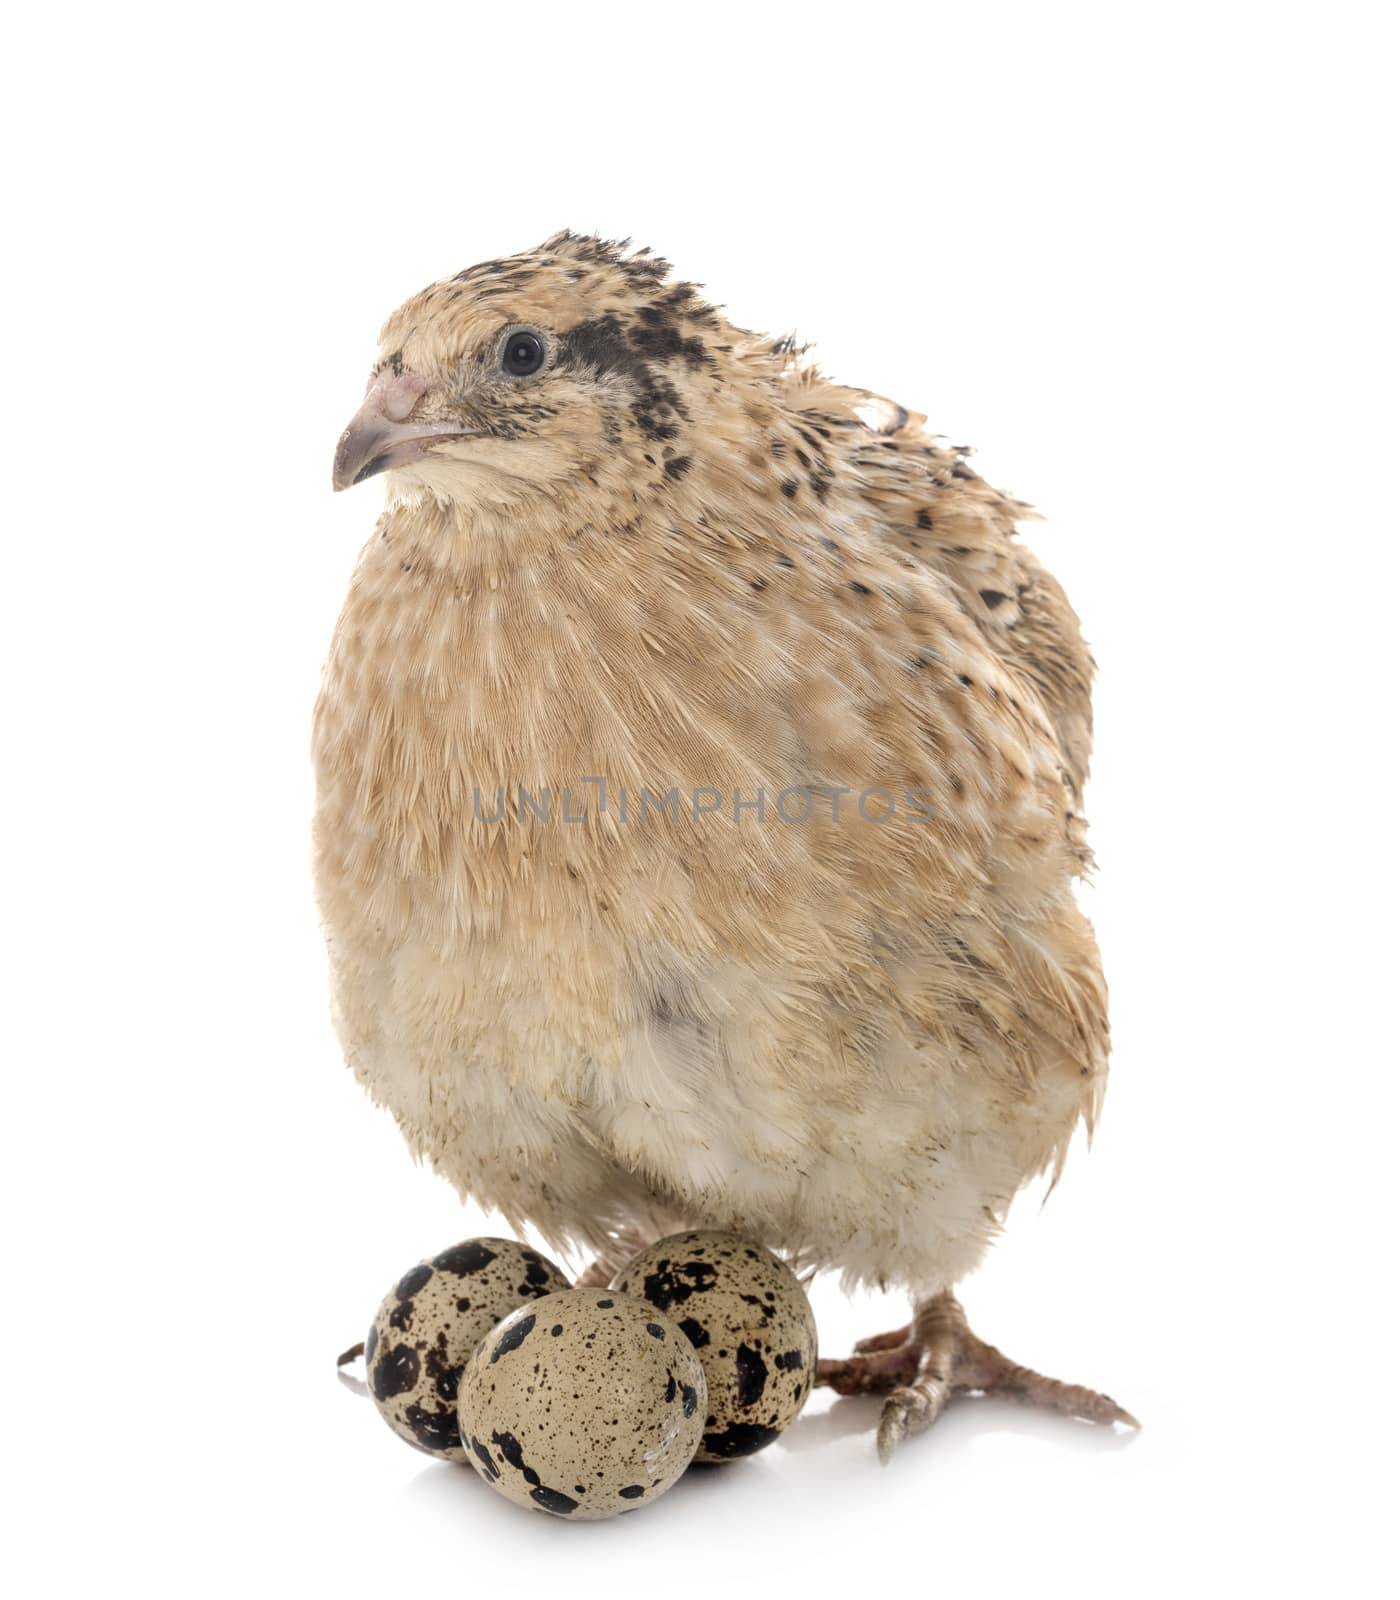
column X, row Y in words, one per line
column 885, row 1362
column 937, row 1356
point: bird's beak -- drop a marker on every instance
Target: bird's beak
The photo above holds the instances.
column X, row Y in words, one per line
column 380, row 435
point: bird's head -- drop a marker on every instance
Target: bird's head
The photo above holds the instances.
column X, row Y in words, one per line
column 531, row 376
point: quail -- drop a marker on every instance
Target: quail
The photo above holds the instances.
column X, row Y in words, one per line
column 700, row 760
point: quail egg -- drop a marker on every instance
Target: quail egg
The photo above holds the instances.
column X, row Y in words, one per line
column 584, row 1404
column 751, row 1325
column 431, row 1321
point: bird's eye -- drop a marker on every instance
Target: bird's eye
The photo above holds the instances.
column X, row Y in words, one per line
column 523, row 353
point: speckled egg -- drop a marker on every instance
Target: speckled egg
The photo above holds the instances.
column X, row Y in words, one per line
column 430, row 1322
column 751, row 1324
column 585, row 1404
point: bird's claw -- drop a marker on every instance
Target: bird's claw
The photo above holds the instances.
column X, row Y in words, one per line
column 875, row 1368
column 908, row 1410
column 921, row 1367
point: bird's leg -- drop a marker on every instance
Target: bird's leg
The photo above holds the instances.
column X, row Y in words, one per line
column 937, row 1356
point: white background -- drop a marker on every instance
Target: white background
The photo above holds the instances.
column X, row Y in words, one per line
column 1139, row 256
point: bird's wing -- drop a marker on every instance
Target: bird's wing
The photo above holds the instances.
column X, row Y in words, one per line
column 935, row 509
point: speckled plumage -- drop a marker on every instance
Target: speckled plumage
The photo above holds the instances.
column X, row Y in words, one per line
column 678, row 557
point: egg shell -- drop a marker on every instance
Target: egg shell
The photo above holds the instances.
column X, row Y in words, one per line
column 430, row 1322
column 752, row 1327
column 585, row 1404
